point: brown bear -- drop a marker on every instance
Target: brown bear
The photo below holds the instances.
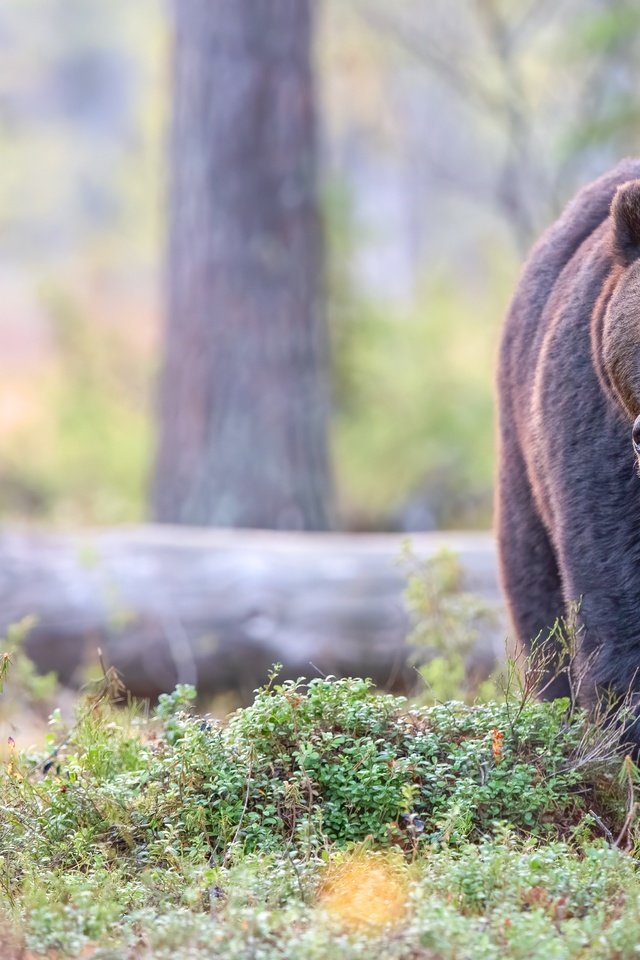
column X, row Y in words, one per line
column 568, row 491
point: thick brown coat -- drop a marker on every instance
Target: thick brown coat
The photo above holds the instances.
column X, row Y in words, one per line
column 568, row 501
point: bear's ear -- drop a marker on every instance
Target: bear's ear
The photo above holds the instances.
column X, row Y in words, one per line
column 625, row 213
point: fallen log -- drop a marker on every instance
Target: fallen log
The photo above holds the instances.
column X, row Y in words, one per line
column 217, row 608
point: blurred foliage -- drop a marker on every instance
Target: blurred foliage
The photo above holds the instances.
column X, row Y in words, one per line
column 82, row 114
column 604, row 47
column 27, row 685
column 448, row 622
column 84, row 458
column 413, row 391
column 412, row 425
column 26, row 696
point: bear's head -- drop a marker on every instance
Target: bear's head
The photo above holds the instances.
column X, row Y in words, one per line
column 620, row 344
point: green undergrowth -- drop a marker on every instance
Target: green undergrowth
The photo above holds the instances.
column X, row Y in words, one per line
column 483, row 829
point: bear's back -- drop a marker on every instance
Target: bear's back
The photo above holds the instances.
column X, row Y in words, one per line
column 524, row 326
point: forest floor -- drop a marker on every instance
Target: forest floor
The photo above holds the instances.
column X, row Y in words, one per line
column 323, row 821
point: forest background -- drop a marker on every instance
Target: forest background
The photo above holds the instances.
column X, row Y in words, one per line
column 450, row 134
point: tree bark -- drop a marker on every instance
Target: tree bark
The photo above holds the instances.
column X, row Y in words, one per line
column 243, row 391
column 218, row 608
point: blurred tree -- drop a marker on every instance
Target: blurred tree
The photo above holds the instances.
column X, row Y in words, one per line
column 243, row 389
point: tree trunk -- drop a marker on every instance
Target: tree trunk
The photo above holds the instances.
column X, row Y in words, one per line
column 218, row 608
column 243, row 392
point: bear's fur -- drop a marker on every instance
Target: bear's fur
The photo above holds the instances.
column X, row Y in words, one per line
column 568, row 492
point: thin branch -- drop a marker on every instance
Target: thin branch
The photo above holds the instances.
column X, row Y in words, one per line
column 534, row 18
column 449, row 67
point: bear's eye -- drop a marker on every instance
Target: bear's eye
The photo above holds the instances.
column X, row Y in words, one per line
column 635, row 435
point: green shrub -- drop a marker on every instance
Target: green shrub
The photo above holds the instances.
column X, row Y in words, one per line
column 306, row 765
column 174, row 833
